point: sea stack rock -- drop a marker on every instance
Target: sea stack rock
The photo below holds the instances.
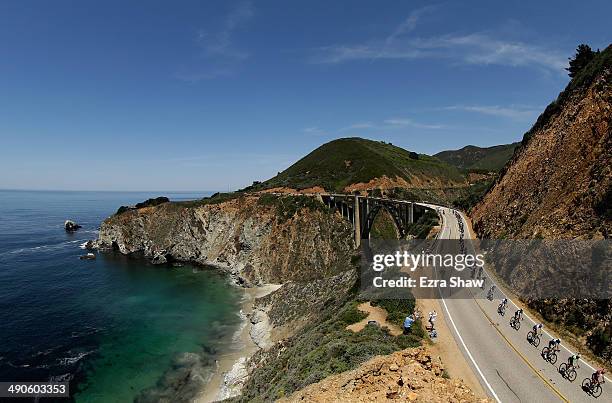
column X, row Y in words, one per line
column 71, row 226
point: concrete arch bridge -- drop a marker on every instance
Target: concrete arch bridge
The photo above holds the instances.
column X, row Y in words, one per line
column 361, row 211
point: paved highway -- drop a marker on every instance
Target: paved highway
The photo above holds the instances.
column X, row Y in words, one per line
column 508, row 367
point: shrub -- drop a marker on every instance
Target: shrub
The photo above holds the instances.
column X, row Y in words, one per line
column 324, row 348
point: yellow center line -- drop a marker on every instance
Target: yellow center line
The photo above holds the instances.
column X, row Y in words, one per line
column 550, row 385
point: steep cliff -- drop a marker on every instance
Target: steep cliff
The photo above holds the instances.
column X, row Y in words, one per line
column 256, row 241
column 557, row 184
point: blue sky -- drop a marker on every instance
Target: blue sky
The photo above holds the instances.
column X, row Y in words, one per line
column 211, row 95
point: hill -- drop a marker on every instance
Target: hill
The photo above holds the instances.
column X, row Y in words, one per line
column 558, row 185
column 337, row 165
column 479, row 158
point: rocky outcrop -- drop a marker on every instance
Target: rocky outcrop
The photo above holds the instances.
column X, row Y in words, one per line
column 558, row 183
column 249, row 239
column 71, row 226
column 409, row 375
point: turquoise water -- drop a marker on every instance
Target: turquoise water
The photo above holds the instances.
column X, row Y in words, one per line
column 118, row 328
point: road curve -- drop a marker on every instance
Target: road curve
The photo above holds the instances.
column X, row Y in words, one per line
column 508, row 367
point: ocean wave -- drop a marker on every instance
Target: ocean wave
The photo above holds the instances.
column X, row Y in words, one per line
column 74, row 359
column 42, row 248
column 42, row 353
column 62, row 378
column 11, row 364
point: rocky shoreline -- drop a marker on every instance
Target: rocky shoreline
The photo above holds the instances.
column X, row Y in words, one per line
column 231, row 371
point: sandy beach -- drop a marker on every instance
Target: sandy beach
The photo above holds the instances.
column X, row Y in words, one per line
column 231, row 366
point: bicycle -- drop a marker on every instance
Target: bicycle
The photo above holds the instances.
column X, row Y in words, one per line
column 549, row 355
column 515, row 323
column 533, row 338
column 490, row 294
column 501, row 309
column 568, row 371
column 592, row 388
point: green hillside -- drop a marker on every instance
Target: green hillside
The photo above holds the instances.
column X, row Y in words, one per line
column 346, row 161
column 482, row 158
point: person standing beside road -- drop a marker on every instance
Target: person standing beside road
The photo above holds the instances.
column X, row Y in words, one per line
column 432, row 318
column 408, row 324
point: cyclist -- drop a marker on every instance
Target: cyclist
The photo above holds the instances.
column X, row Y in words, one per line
column 518, row 315
column 598, row 376
column 553, row 345
column 572, row 361
column 537, row 328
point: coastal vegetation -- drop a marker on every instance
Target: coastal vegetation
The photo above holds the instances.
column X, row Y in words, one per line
column 473, row 194
column 147, row 203
column 423, row 226
column 473, row 158
column 325, row 347
column 287, row 206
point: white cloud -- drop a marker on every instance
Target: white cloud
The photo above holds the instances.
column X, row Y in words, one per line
column 385, row 125
column 517, row 112
column 220, row 43
column 362, row 125
column 313, row 131
column 409, row 24
column 405, row 122
column 474, row 48
column 218, row 50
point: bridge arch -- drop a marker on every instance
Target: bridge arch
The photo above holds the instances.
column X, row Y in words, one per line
column 373, row 213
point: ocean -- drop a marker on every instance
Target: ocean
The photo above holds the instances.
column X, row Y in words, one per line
column 117, row 328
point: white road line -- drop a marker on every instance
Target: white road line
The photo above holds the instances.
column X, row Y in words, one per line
column 524, row 314
column 469, row 353
column 450, row 317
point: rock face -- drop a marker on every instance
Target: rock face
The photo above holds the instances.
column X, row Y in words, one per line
column 408, row 375
column 250, row 240
column 558, row 183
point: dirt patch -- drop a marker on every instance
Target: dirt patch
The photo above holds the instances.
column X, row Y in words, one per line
column 386, row 183
column 314, row 189
column 445, row 348
column 374, row 313
column 279, row 190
